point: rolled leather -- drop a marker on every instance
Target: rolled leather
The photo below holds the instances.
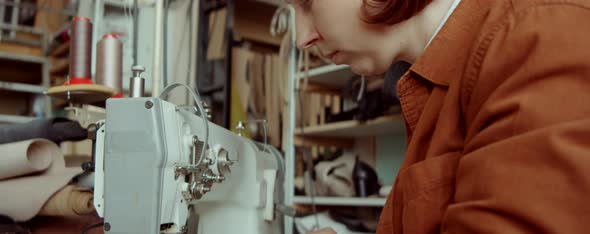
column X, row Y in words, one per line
column 25, row 157
column 53, row 129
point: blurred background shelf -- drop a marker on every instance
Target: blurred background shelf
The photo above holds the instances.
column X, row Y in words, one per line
column 13, row 86
column 331, row 76
column 342, row 201
column 60, row 50
column 60, row 67
column 355, row 128
column 14, row 119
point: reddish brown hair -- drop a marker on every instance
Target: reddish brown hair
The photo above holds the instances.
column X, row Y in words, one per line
column 391, row 11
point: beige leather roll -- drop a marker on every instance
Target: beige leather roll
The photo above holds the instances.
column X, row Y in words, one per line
column 68, row 202
column 25, row 157
column 21, row 197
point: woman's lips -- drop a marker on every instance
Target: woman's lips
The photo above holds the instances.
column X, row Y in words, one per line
column 334, row 56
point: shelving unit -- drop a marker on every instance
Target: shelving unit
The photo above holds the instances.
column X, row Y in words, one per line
column 19, row 87
column 354, row 128
column 60, row 67
column 14, row 119
column 359, row 136
column 60, row 50
column 28, row 76
column 342, row 201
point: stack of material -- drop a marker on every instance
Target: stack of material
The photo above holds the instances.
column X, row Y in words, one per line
column 33, row 175
column 260, row 83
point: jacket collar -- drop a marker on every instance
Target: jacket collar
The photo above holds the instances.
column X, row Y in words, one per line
column 445, row 57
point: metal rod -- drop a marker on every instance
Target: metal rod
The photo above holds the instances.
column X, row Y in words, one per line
column 14, row 20
column 165, row 43
column 2, row 10
column 194, row 30
column 137, row 83
column 135, row 30
column 228, row 64
column 157, row 60
column 201, row 48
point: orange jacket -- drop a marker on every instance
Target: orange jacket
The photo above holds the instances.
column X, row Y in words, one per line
column 497, row 113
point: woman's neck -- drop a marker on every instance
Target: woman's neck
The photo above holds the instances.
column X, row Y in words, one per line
column 420, row 29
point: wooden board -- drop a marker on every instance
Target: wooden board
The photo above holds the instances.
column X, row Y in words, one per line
column 275, row 107
column 60, row 66
column 216, row 45
column 239, row 73
column 15, row 103
column 32, row 37
column 20, row 49
column 354, row 128
column 240, row 90
column 268, row 95
column 60, row 50
column 21, row 71
column 252, row 22
column 313, row 87
column 329, row 76
column 257, row 83
column 323, row 141
column 51, row 21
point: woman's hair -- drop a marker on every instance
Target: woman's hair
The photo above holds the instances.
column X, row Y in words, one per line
column 391, row 11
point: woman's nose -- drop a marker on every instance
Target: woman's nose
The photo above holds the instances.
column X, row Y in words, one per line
column 307, row 35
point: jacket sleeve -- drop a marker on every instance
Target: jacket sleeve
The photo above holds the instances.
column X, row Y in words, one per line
column 526, row 162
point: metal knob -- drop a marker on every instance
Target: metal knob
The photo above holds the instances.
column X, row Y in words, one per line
column 223, row 162
column 137, row 83
column 207, row 110
column 240, row 128
column 137, row 70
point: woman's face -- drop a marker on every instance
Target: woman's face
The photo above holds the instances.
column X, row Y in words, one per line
column 336, row 28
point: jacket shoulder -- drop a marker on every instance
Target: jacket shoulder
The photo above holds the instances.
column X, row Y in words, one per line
column 524, row 37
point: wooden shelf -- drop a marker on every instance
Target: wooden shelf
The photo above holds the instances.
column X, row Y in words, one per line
column 12, row 48
column 60, row 50
column 331, row 76
column 323, row 141
column 15, row 119
column 251, row 20
column 354, row 128
column 342, row 201
column 20, row 87
column 24, row 69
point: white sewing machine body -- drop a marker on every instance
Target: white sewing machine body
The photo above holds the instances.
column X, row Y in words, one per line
column 145, row 183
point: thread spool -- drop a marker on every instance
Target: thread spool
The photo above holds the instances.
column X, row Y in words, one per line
column 109, row 63
column 80, row 50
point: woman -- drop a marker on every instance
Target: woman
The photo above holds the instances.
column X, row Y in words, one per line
column 495, row 106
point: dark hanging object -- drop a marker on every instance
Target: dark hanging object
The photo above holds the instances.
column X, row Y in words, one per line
column 365, row 179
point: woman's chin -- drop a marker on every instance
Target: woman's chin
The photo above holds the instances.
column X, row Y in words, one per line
column 365, row 70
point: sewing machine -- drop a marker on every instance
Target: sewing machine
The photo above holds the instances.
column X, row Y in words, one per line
column 150, row 176
column 162, row 168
